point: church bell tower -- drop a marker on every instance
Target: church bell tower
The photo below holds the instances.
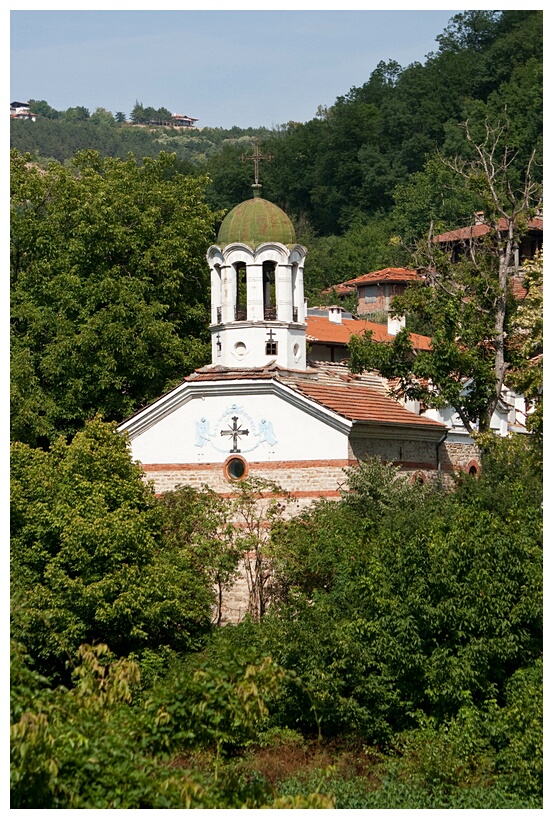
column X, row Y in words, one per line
column 257, row 302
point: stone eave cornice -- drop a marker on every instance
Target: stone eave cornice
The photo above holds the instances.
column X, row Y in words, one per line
column 382, row 430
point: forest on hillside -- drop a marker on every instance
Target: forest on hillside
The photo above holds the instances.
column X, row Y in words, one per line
column 392, row 657
column 358, row 179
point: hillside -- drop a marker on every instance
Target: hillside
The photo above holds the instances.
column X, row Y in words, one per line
column 359, row 180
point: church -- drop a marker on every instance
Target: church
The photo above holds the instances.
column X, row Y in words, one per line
column 262, row 408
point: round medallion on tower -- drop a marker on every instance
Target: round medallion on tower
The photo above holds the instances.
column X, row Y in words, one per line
column 254, row 222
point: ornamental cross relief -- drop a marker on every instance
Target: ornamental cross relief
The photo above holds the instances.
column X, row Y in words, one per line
column 236, row 433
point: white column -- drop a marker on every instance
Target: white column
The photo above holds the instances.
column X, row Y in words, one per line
column 229, row 292
column 254, row 273
column 299, row 300
column 216, row 292
column 283, row 292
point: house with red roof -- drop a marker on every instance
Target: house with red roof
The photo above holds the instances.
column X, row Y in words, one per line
column 375, row 290
column 459, row 241
column 329, row 330
column 21, row 110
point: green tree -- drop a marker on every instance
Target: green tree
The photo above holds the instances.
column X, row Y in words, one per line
column 101, row 115
column 42, row 108
column 79, row 112
column 120, row 116
column 404, row 601
column 137, row 113
column 198, row 524
column 109, row 288
column 164, row 113
column 89, row 562
column 432, row 199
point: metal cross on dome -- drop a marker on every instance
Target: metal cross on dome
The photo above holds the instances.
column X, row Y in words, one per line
column 236, row 432
column 256, row 156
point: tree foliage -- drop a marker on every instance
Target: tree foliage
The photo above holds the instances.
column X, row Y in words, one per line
column 467, row 301
column 406, row 601
column 109, row 288
column 405, row 615
column 89, row 562
column 199, row 524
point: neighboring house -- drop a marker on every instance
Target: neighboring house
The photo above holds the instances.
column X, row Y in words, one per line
column 21, row 110
column 376, row 290
column 182, row 121
column 329, row 330
column 458, row 242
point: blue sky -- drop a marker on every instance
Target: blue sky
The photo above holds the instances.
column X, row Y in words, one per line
column 235, row 67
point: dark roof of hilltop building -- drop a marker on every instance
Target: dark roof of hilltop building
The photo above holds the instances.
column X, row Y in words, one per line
column 482, row 229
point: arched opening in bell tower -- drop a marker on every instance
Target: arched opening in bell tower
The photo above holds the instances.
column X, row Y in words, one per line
column 241, row 303
column 269, row 291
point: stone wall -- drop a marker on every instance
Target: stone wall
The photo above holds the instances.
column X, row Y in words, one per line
column 304, row 480
column 307, row 481
column 408, row 453
column 457, row 457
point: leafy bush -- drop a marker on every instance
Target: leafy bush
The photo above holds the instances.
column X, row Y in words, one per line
column 405, row 600
column 88, row 559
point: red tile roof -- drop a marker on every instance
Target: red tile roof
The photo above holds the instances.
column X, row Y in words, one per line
column 519, row 291
column 360, row 403
column 320, row 329
column 355, row 397
column 476, row 231
column 341, row 289
column 387, row 274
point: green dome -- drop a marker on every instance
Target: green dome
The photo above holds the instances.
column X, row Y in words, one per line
column 256, row 221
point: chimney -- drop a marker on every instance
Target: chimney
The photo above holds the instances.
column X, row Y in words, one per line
column 395, row 324
column 335, row 314
column 479, row 217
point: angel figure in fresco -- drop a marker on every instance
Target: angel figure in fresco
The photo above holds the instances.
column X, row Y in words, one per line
column 202, row 432
column 266, row 432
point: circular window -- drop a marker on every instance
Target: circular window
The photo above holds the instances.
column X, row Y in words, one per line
column 235, row 468
column 240, row 349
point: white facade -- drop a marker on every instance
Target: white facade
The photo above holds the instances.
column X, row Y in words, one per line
column 259, row 420
column 510, row 415
column 257, row 305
